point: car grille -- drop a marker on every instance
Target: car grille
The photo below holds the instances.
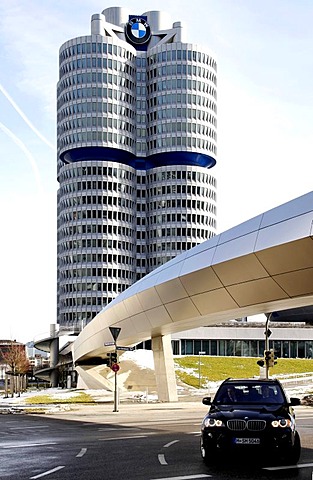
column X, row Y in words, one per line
column 256, row 425
column 252, row 425
column 236, row 424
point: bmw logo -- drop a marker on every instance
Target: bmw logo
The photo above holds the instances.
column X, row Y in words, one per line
column 138, row 30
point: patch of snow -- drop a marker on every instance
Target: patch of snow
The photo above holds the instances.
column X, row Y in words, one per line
column 188, row 371
column 142, row 358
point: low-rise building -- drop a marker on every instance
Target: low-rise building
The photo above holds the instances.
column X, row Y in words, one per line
column 247, row 339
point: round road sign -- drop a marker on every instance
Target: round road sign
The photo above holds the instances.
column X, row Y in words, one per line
column 115, row 367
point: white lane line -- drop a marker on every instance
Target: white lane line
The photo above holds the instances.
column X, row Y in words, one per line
column 170, row 444
column 161, row 458
column 117, row 429
column 29, row 445
column 171, row 420
column 186, row 477
column 48, row 472
column 121, row 438
column 288, row 467
column 81, row 453
column 27, row 428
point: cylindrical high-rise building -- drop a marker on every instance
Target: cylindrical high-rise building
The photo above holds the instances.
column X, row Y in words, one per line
column 136, row 142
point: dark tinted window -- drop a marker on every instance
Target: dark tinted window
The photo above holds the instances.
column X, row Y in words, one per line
column 249, row 393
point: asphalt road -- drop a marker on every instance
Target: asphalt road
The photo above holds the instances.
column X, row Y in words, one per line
column 149, row 441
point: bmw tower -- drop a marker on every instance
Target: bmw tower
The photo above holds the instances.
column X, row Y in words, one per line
column 136, row 134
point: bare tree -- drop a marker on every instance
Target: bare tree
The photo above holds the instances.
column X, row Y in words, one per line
column 15, row 357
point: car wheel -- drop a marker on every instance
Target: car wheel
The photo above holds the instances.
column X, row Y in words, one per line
column 207, row 456
column 294, row 453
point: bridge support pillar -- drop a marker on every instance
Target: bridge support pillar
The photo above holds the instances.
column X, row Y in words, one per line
column 164, row 368
column 54, row 356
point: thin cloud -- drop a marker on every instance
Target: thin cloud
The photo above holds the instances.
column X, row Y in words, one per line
column 27, row 153
column 35, row 61
column 24, row 117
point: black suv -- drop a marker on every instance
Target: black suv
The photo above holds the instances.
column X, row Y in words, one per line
column 251, row 416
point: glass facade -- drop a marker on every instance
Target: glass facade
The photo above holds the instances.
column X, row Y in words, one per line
column 136, row 135
column 243, row 348
column 96, row 238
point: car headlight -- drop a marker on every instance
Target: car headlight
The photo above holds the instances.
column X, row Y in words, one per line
column 283, row 423
column 213, row 422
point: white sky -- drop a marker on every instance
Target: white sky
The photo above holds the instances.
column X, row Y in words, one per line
column 265, row 117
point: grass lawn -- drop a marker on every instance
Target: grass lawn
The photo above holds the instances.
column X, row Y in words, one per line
column 219, row 368
column 79, row 397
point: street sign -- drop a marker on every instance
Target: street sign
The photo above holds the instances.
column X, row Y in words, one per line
column 109, row 344
column 127, row 349
column 115, row 367
column 115, row 331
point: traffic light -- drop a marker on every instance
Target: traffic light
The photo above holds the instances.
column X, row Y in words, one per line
column 113, row 357
column 260, row 362
column 269, row 357
column 273, row 359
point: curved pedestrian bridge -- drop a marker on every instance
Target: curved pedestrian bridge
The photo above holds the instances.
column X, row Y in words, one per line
column 260, row 266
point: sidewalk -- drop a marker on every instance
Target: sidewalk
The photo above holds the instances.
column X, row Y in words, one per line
column 128, row 413
column 130, row 405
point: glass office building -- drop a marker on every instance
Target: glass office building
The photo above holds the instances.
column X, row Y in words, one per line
column 246, row 339
column 136, row 133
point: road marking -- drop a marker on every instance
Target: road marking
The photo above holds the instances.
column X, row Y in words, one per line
column 170, row 444
column 170, row 421
column 117, row 429
column 48, row 472
column 287, row 467
column 24, row 428
column 162, row 460
column 122, row 438
column 81, row 453
column 29, row 445
column 186, row 477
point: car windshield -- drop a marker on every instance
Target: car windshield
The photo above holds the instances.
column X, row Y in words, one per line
column 250, row 393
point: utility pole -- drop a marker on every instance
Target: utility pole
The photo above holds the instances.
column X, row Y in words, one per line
column 267, row 334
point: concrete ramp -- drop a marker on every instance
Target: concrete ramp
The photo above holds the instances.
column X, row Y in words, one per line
column 90, row 378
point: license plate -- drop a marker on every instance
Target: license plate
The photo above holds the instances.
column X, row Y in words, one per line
column 247, row 441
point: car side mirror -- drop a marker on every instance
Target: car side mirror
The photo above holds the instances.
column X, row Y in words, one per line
column 206, row 401
column 295, row 401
